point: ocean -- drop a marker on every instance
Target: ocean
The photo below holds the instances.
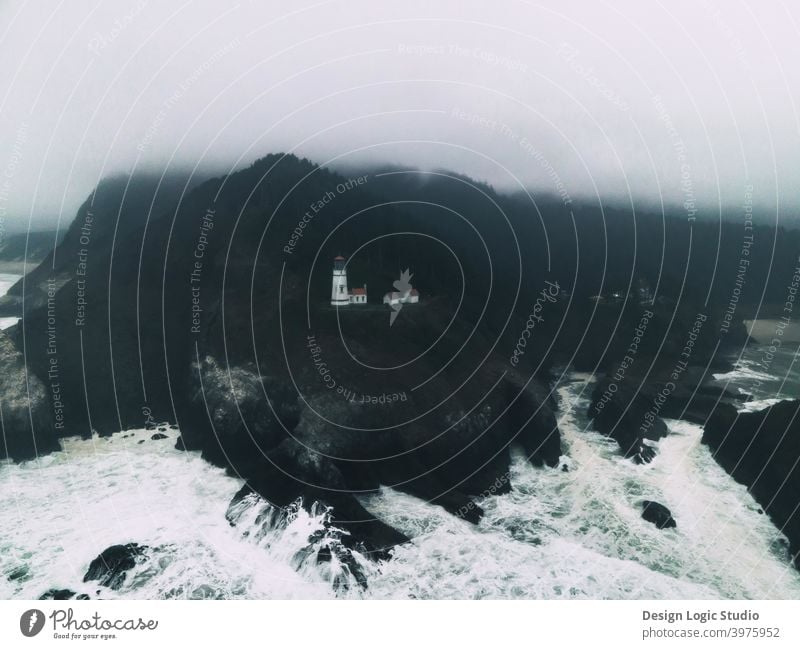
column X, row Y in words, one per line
column 574, row 533
column 7, row 280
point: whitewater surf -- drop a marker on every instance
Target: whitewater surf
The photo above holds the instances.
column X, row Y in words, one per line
column 574, row 531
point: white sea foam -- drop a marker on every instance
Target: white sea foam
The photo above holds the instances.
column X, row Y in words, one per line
column 765, row 374
column 5, row 323
column 757, row 404
column 743, row 372
column 580, row 533
column 7, row 280
column 574, row 534
column 60, row 512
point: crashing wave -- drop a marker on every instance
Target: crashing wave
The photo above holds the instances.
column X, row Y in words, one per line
column 306, row 539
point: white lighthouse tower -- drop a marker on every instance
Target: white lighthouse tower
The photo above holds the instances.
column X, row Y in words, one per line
column 339, row 293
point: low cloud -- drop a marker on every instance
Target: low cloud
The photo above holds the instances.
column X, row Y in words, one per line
column 585, row 101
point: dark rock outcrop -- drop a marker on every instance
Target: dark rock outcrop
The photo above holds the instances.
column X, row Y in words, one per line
column 665, row 373
column 622, row 413
column 657, row 514
column 284, row 482
column 111, row 566
column 296, row 438
column 19, row 573
column 62, row 594
column 632, row 411
column 532, row 419
column 332, row 548
column 235, row 412
column 257, row 519
column 762, row 450
column 26, row 408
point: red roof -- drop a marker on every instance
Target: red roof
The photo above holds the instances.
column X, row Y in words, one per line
column 414, row 292
column 338, row 258
column 359, row 291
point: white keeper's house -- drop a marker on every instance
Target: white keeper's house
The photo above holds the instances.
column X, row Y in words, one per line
column 340, row 296
column 410, row 296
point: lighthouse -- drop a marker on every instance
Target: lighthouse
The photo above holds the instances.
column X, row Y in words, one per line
column 339, row 294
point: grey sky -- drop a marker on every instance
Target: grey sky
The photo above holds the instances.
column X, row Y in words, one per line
column 689, row 101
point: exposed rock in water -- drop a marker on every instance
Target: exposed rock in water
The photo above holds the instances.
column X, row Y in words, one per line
column 333, row 550
column 532, row 419
column 631, row 410
column 347, row 513
column 762, row 451
column 20, row 573
column 27, row 408
column 620, row 412
column 657, row 514
column 658, row 361
column 112, row 565
column 62, row 594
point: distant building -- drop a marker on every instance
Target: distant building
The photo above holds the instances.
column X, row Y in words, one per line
column 643, row 291
column 340, row 296
column 406, row 297
column 359, row 295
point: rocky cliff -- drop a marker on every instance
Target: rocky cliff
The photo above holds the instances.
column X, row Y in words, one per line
column 28, row 410
column 762, row 450
column 215, row 315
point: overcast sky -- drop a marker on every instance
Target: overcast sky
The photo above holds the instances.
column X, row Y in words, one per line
column 673, row 101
